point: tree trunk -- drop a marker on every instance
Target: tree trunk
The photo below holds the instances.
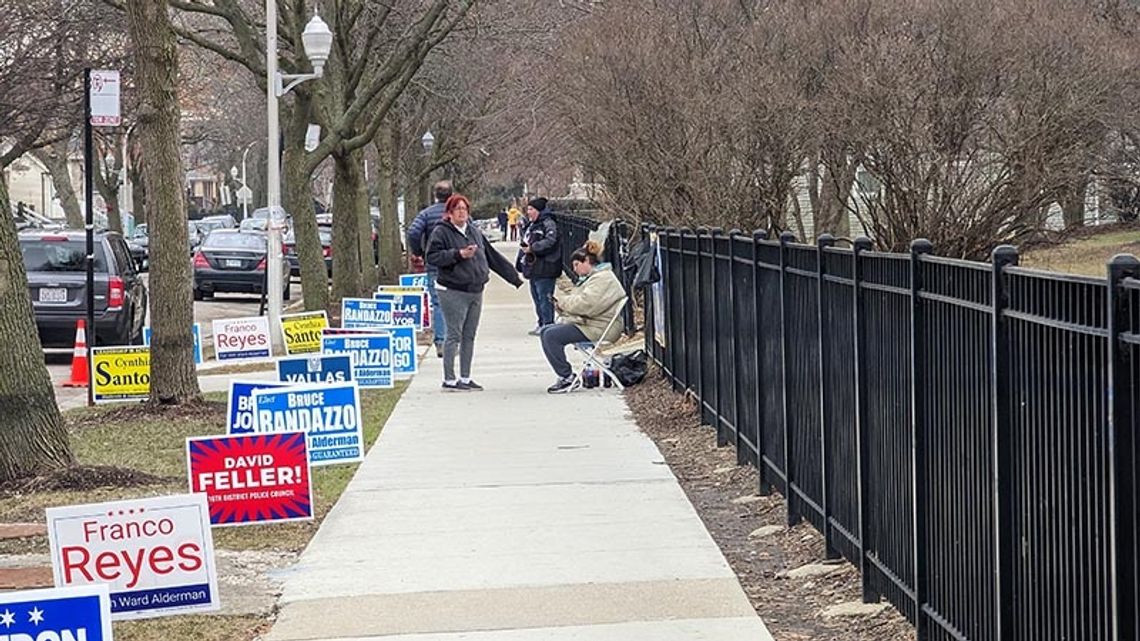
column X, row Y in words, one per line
column 173, row 376
column 368, row 269
column 391, row 249
column 32, row 434
column 297, row 195
column 1072, row 203
column 55, row 158
column 138, row 196
column 831, row 217
column 109, row 189
column 348, row 197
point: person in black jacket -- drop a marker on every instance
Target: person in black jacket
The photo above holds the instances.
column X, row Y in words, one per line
column 540, row 260
column 464, row 258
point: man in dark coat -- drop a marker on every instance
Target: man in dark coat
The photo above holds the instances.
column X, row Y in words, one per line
column 418, row 234
column 540, row 260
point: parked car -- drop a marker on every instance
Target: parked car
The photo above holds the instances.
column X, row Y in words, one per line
column 57, row 284
column 220, row 221
column 196, row 235
column 230, row 260
column 254, row 224
column 290, row 242
column 139, row 244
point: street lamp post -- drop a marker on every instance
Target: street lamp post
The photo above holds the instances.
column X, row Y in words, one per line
column 317, row 41
column 428, row 142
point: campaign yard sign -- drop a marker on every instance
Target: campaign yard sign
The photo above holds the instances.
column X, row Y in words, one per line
column 316, row 368
column 372, row 361
column 239, row 417
column 364, row 313
column 57, row 614
column 419, row 281
column 328, row 414
column 413, row 280
column 404, row 362
column 407, row 309
column 155, row 554
column 302, row 332
column 120, row 374
column 242, row 339
column 195, row 329
column 260, row 478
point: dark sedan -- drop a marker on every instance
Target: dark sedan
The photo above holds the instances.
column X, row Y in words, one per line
column 295, row 260
column 232, row 261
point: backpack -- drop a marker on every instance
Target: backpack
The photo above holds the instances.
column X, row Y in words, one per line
column 630, row 368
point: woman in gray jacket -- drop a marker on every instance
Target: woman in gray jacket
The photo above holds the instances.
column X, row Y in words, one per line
column 586, row 312
column 465, row 260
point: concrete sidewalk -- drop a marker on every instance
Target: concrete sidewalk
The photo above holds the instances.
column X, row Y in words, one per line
column 513, row 515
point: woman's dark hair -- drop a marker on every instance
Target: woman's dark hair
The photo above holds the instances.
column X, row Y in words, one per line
column 591, row 253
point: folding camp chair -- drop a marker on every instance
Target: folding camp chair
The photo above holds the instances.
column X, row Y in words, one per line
column 592, row 352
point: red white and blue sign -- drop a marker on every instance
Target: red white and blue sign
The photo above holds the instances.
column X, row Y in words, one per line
column 407, row 309
column 315, row 368
column 262, row 478
column 239, row 417
column 329, row 414
column 155, row 554
column 56, row 614
column 364, row 313
column 196, row 329
column 371, row 356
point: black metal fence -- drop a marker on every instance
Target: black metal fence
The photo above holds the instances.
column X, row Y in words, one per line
column 962, row 432
column 575, row 230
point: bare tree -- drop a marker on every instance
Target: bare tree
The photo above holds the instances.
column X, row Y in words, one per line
column 173, row 376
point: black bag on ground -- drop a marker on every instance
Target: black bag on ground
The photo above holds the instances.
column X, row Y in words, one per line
column 630, row 368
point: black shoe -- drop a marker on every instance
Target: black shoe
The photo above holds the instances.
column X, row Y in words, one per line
column 452, row 387
column 439, row 350
column 470, row 386
column 561, row 385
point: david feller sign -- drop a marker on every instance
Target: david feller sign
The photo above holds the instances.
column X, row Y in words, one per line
column 252, row 479
column 156, row 554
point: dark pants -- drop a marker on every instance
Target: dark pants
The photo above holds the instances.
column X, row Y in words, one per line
column 554, row 341
column 462, row 311
column 541, row 289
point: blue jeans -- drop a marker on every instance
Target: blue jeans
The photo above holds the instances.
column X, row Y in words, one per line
column 541, row 289
column 438, row 325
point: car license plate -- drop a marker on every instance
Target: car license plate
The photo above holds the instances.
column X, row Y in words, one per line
column 233, row 262
column 53, row 295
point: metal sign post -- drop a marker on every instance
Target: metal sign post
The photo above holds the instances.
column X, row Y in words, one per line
column 100, row 108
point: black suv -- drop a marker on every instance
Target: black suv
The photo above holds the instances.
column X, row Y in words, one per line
column 57, row 285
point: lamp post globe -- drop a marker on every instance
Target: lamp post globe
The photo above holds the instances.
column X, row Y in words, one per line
column 317, row 39
column 428, row 141
column 233, row 172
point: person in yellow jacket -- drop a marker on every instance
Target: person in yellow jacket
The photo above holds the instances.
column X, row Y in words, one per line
column 513, row 221
column 585, row 312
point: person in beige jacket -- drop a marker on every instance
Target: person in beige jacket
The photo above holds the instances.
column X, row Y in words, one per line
column 584, row 312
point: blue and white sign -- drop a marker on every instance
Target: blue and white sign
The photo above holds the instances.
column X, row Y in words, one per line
column 363, row 313
column 156, row 554
column 315, row 368
column 328, row 414
column 239, row 415
column 371, row 357
column 57, row 614
column 407, row 309
column 413, row 280
column 197, row 331
column 404, row 361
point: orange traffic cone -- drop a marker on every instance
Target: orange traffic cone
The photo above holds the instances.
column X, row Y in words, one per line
column 79, row 375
